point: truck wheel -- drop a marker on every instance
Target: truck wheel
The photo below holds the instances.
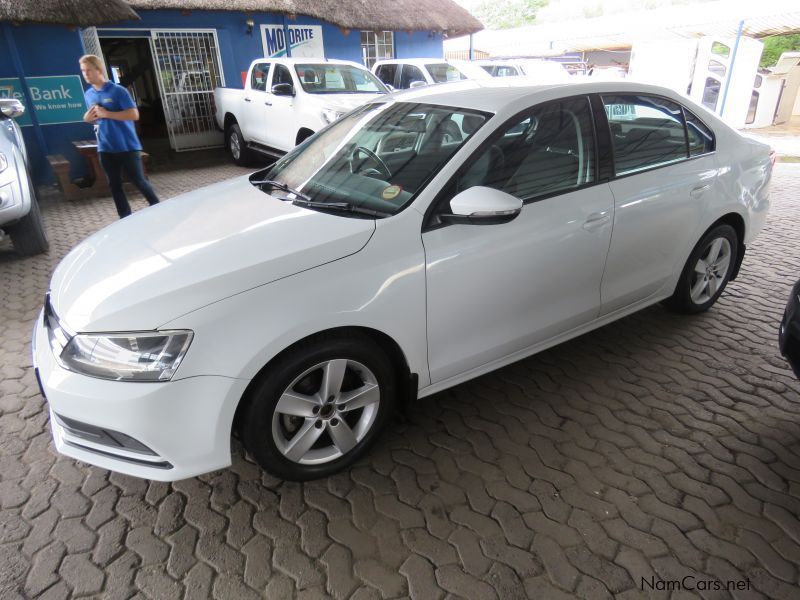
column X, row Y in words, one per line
column 237, row 147
column 27, row 234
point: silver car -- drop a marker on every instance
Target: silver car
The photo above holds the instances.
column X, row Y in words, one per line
column 19, row 210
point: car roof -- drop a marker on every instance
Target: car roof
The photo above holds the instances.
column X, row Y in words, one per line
column 309, row 60
column 412, row 61
column 494, row 95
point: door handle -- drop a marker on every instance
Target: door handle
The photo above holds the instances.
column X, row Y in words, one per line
column 247, row 100
column 267, row 103
column 700, row 190
column 596, row 220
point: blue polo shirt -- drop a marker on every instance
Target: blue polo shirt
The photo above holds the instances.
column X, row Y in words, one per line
column 113, row 136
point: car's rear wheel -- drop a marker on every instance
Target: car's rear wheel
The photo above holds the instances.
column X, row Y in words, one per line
column 707, row 271
column 318, row 408
column 237, row 147
column 27, row 234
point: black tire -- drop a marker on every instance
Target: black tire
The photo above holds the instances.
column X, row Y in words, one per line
column 237, row 147
column 259, row 424
column 682, row 300
column 27, row 234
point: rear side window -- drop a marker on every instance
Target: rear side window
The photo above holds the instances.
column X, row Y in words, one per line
column 646, row 131
column 701, row 138
column 258, row 78
column 386, row 73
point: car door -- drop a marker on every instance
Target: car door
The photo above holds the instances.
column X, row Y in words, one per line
column 495, row 290
column 255, row 100
column 281, row 119
column 658, row 194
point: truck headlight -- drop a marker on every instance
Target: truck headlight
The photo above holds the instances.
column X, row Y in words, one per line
column 3, row 162
column 329, row 115
column 137, row 356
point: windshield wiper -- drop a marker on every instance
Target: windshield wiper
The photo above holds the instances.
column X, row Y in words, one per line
column 281, row 186
column 342, row 207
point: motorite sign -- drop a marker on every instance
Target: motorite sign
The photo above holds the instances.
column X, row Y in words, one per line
column 304, row 41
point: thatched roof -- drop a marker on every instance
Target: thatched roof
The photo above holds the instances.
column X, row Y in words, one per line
column 66, row 12
column 373, row 15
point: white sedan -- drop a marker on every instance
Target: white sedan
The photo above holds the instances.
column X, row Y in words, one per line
column 386, row 259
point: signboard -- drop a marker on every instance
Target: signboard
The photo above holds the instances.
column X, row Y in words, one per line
column 56, row 99
column 304, row 40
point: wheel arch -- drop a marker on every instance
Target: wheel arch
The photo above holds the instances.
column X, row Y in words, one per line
column 230, row 119
column 393, row 350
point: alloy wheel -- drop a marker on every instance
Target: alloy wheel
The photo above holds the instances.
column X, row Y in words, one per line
column 236, row 147
column 326, row 411
column 710, row 271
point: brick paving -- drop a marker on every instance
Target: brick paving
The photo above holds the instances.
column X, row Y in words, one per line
column 659, row 446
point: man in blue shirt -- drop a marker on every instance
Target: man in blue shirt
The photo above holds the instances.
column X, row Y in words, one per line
column 112, row 111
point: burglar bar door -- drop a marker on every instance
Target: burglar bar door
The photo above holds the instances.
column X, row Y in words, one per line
column 90, row 41
column 188, row 69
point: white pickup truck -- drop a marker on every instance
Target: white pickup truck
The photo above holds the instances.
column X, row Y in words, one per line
column 286, row 100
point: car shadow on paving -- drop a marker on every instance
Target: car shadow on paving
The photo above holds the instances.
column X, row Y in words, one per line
column 655, row 448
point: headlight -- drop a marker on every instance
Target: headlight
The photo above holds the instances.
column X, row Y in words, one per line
column 150, row 356
column 329, row 115
column 3, row 162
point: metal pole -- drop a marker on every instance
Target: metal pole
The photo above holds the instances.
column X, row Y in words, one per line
column 471, row 48
column 15, row 59
column 730, row 68
column 286, row 36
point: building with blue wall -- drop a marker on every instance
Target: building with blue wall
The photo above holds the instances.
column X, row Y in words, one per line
column 204, row 48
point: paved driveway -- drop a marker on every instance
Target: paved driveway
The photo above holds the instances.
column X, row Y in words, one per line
column 653, row 449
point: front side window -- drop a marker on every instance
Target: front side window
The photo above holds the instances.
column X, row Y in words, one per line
column 443, row 72
column 258, row 77
column 326, row 78
column 375, row 158
column 409, row 75
column 281, row 75
column 549, row 150
column 375, row 46
column 646, row 131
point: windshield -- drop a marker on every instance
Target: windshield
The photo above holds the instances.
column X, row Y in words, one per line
column 375, row 158
column 338, row 79
column 443, row 72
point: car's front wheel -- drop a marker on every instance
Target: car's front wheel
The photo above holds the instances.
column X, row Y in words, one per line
column 707, row 271
column 318, row 408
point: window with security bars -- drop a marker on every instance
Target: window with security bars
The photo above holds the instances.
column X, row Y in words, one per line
column 376, row 45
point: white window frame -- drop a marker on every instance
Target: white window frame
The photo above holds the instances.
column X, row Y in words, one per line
column 375, row 46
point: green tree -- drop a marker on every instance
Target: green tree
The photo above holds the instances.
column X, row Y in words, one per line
column 504, row 14
column 775, row 45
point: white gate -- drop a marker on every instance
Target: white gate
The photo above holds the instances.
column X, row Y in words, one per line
column 90, row 41
column 188, row 68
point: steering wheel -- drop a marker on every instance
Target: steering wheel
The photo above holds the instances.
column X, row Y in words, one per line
column 383, row 169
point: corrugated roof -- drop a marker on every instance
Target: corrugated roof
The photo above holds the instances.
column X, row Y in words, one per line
column 619, row 31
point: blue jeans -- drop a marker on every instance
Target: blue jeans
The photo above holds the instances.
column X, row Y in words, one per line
column 113, row 163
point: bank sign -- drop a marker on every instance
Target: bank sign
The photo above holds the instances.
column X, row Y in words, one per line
column 57, row 99
column 304, row 40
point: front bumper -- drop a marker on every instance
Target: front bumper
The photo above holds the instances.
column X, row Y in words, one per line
column 162, row 431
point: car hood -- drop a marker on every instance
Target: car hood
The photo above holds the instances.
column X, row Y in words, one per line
column 193, row 250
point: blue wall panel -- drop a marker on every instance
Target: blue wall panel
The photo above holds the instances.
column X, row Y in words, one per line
column 54, row 50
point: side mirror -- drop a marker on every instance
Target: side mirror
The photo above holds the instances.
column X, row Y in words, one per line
column 389, row 87
column 11, row 108
column 482, row 206
column 417, row 83
column 283, row 89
